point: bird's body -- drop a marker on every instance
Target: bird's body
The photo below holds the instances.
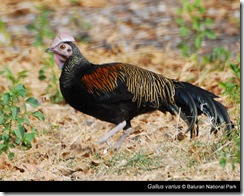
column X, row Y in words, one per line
column 117, row 92
column 108, row 91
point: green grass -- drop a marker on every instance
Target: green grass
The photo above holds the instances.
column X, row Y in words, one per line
column 197, row 29
column 49, row 74
column 15, row 119
column 41, row 27
column 231, row 88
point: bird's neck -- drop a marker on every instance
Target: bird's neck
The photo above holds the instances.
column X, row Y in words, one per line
column 73, row 69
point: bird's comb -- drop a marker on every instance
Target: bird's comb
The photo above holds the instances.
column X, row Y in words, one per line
column 62, row 37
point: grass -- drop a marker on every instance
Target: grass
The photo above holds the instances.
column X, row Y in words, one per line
column 17, row 130
column 49, row 75
column 65, row 147
column 195, row 26
column 41, row 26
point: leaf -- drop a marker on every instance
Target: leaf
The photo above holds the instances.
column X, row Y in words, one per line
column 227, row 85
column 38, row 115
column 6, row 98
column 24, row 107
column 41, row 75
column 208, row 22
column 2, row 147
column 18, row 140
column 198, row 3
column 179, row 11
column 32, row 101
column 31, row 27
column 202, row 10
column 2, row 118
column 210, row 34
column 20, row 89
column 179, row 21
column 222, row 161
column 26, row 120
column 5, row 137
column 11, row 145
column 9, row 75
column 184, row 49
column 2, row 72
column 236, row 70
column 198, row 41
column 184, row 31
column 53, row 78
column 196, row 24
column 29, row 137
column 20, row 120
column 22, row 74
column 19, row 132
column 15, row 111
column 10, row 156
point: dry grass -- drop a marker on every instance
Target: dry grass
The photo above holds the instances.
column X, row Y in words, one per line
column 65, row 147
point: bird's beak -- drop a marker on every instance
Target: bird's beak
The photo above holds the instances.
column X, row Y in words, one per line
column 49, row 50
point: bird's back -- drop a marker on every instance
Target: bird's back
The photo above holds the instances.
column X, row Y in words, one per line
column 117, row 89
column 141, row 86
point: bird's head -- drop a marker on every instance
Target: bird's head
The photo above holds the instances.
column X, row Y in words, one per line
column 61, row 48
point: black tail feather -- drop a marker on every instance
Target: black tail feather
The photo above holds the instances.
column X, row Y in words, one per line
column 223, row 116
column 194, row 101
column 189, row 112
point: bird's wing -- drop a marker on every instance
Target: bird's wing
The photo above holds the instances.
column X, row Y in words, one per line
column 118, row 81
column 106, row 83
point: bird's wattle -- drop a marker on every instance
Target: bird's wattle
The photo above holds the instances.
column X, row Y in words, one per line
column 59, row 60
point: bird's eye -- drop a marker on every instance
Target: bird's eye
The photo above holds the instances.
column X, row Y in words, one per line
column 62, row 46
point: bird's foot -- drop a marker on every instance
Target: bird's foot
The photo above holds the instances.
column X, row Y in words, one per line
column 126, row 133
column 112, row 132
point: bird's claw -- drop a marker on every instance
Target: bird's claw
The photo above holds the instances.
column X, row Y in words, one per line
column 126, row 133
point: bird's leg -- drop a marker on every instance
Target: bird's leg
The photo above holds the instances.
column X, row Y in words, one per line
column 112, row 132
column 126, row 133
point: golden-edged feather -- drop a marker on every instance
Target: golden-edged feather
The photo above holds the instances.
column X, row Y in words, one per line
column 145, row 85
